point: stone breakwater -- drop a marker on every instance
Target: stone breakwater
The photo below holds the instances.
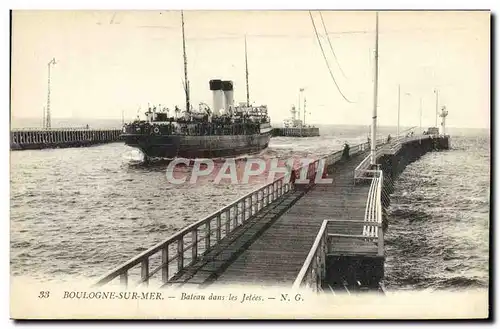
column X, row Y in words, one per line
column 61, row 138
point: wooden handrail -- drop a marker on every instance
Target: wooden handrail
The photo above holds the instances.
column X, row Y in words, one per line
column 310, row 256
column 372, row 223
column 387, row 148
column 372, row 229
column 369, row 207
column 178, row 236
column 349, row 221
column 279, row 188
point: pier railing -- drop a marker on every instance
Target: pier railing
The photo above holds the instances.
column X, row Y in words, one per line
column 403, row 140
column 184, row 248
column 313, row 271
column 373, row 210
column 173, row 255
column 362, row 171
column 363, row 167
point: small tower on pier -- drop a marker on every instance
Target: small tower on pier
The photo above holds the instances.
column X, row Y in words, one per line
column 293, row 111
column 47, row 111
column 443, row 115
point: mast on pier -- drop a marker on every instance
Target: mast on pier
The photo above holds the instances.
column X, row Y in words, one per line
column 301, row 90
column 246, row 72
column 186, row 81
column 373, row 160
column 304, row 123
column 47, row 115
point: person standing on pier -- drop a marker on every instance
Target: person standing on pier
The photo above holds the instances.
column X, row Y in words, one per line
column 291, row 171
column 345, row 152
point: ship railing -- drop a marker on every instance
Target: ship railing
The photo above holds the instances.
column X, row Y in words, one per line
column 189, row 245
column 313, row 272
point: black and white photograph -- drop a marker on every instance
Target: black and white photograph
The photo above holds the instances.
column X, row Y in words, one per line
column 256, row 164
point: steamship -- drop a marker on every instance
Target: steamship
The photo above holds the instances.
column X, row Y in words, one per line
column 223, row 130
column 294, row 127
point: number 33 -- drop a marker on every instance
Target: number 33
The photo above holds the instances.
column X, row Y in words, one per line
column 44, row 294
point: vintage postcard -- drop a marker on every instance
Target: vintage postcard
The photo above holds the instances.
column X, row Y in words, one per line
column 188, row 164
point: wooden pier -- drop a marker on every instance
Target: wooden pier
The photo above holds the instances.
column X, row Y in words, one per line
column 29, row 139
column 328, row 237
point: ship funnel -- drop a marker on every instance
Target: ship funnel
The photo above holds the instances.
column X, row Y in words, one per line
column 227, row 87
column 218, row 96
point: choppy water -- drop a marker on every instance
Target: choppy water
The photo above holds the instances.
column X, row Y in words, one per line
column 81, row 212
column 438, row 235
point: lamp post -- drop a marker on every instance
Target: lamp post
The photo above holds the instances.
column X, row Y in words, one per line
column 298, row 109
column 373, row 152
column 304, row 123
column 301, row 90
column 48, row 119
column 399, row 107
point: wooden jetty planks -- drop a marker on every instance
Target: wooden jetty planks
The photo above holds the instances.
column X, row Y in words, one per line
column 279, row 253
column 216, row 260
column 272, row 246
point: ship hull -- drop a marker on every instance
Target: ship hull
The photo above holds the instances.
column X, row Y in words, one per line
column 179, row 146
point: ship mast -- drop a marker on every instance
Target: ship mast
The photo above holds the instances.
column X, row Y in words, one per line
column 246, row 72
column 186, row 81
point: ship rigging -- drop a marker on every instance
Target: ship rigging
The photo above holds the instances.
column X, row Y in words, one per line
column 218, row 131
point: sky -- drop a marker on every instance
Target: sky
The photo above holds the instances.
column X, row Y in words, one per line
column 114, row 61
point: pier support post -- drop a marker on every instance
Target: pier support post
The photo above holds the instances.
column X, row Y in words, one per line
column 165, row 263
